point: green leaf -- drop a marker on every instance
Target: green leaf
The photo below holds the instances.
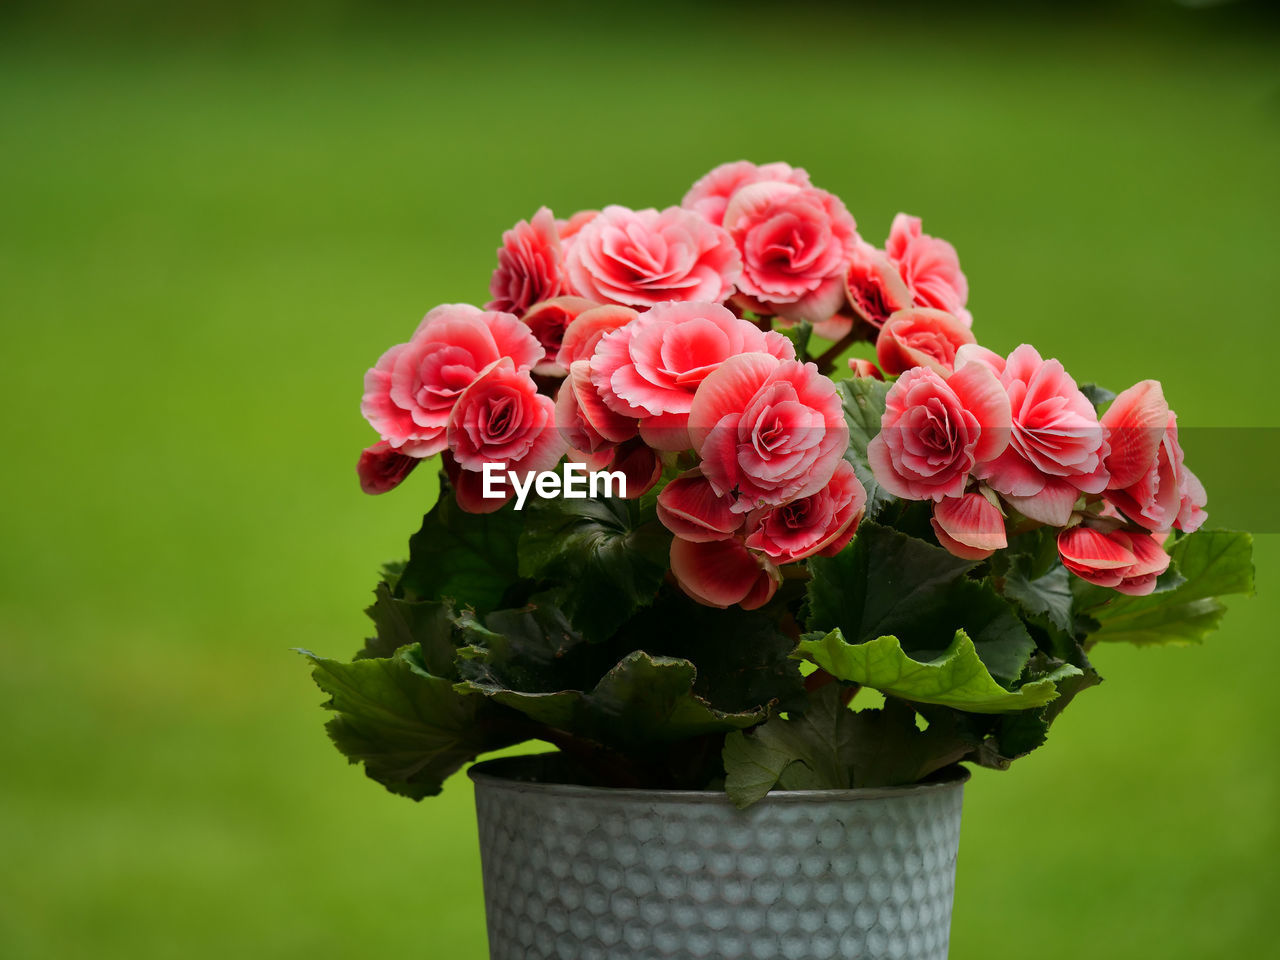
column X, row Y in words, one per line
column 465, row 557
column 606, row 557
column 642, row 702
column 1213, row 563
column 401, row 623
column 829, row 747
column 812, row 750
column 1048, row 595
column 799, row 335
column 1098, row 396
column 863, row 399
column 743, row 657
column 955, row 678
column 411, row 730
column 888, row 583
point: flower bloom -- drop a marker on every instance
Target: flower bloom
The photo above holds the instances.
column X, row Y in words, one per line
column 409, row 393
column 1056, row 447
column 865, row 368
column 1149, row 483
column 970, row 526
column 650, row 368
column 586, row 423
column 585, row 331
column 1125, row 560
column 382, row 468
column 934, row 432
column 920, row 337
column 548, row 320
column 821, row 523
column 767, row 430
column 691, row 508
column 929, row 267
column 501, row 418
column 874, row 287
column 530, row 265
column 796, row 243
column 711, row 194
column 639, row 258
column 720, row 573
column 639, row 464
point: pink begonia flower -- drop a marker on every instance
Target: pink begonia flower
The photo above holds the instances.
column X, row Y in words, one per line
column 568, row 229
column 711, row 194
column 530, row 265
column 796, row 243
column 584, row 333
column 767, row 430
column 382, row 468
column 1135, row 424
column 410, row 392
column 1127, row 561
column 974, row 353
column 640, row 464
column 865, row 368
column 586, row 423
column 821, row 523
column 502, row 419
column 690, row 508
column 720, row 573
column 935, row 432
column 650, row 368
column 1056, row 448
column 970, row 526
column 640, row 258
column 1165, row 494
column 549, row 320
column 930, row 268
column 920, row 337
column 873, row 285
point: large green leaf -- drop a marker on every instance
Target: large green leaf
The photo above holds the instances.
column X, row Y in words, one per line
column 889, row 583
column 465, row 557
column 604, row 557
column 400, row 623
column 534, row 651
column 411, row 730
column 863, row 399
column 955, row 678
column 1048, row 595
column 642, row 702
column 831, row 747
column 1213, row 563
column 743, row 657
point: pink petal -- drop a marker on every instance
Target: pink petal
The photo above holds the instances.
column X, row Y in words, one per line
column 971, row 520
column 982, row 394
column 1135, row 424
column 718, row 573
column 1091, row 548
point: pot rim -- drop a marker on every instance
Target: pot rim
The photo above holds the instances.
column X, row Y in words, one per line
column 503, row 773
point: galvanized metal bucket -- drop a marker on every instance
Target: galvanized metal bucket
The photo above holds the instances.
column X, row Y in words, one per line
column 588, row 873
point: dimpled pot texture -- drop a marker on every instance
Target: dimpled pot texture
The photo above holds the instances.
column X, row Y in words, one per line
column 588, row 873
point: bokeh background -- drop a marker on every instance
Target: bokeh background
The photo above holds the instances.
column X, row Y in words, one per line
column 215, row 216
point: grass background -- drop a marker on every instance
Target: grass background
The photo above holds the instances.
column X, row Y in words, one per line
column 213, row 218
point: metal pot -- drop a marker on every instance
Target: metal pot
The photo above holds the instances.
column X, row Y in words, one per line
column 587, row 873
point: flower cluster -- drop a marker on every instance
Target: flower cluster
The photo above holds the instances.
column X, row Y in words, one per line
column 799, row 433
column 643, row 342
column 987, row 438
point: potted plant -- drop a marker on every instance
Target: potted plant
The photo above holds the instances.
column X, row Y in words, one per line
column 761, row 598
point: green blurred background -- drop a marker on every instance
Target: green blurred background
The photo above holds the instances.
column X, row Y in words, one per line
column 214, row 217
